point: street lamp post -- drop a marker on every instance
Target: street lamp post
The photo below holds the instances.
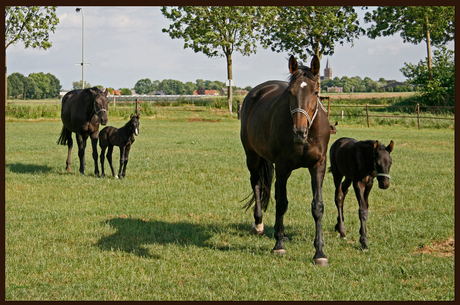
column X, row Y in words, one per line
column 82, row 47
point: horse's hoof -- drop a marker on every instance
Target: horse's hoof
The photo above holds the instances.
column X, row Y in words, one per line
column 322, row 261
column 280, row 251
column 257, row 229
column 116, row 176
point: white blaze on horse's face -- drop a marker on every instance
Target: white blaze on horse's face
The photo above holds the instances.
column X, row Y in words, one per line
column 303, row 84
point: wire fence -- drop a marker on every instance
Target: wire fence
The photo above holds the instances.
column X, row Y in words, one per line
column 417, row 111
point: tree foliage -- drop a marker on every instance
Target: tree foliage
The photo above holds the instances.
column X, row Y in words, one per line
column 143, row 86
column 310, row 30
column 35, row 86
column 433, row 24
column 30, row 24
column 440, row 90
column 216, row 30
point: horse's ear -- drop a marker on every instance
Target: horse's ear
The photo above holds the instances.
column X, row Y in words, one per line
column 106, row 92
column 376, row 144
column 138, row 116
column 131, row 116
column 315, row 65
column 293, row 65
column 390, row 147
column 93, row 92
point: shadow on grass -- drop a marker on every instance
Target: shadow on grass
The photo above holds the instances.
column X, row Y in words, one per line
column 21, row 168
column 133, row 235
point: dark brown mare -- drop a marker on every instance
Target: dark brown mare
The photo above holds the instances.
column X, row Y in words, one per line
column 360, row 162
column 122, row 137
column 285, row 124
column 82, row 112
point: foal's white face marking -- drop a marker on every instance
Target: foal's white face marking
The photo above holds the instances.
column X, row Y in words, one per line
column 303, row 84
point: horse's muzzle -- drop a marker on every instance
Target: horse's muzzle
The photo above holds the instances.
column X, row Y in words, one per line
column 103, row 119
column 300, row 135
column 384, row 182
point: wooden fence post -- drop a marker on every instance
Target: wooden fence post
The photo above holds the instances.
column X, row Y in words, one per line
column 418, row 115
column 367, row 113
column 137, row 106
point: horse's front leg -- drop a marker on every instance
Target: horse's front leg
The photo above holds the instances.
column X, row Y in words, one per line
column 102, row 157
column 282, row 176
column 125, row 163
column 81, row 141
column 109, row 158
column 317, row 209
column 94, row 138
column 362, row 192
column 122, row 159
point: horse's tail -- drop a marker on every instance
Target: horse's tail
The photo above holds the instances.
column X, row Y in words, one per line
column 63, row 139
column 266, row 170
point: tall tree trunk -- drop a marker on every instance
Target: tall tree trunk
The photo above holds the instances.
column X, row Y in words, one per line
column 428, row 48
column 6, row 81
column 230, row 78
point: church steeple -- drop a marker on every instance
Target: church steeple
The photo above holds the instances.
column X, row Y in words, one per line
column 328, row 71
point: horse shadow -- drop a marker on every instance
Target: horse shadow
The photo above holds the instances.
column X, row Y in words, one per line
column 21, row 168
column 135, row 235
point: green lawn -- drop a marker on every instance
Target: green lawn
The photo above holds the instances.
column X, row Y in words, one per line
column 174, row 229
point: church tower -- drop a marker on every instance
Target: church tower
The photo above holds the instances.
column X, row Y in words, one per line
column 328, row 71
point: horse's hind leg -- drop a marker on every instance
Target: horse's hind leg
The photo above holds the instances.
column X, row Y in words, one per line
column 69, row 149
column 81, row 141
column 341, row 190
column 256, row 185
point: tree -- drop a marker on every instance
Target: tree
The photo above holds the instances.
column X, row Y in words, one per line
column 216, row 30
column 125, row 91
column 143, row 86
column 440, row 89
column 55, row 85
column 43, row 84
column 30, row 25
column 432, row 24
column 311, row 30
column 15, row 85
column 78, row 85
column 30, row 88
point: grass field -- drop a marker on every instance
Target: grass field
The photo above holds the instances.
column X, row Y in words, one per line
column 174, row 229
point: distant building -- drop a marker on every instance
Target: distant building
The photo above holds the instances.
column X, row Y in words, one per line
column 207, row 92
column 335, row 89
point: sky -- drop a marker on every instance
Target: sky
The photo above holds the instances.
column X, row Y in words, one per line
column 126, row 44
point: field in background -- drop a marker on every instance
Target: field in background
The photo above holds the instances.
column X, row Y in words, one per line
column 174, row 229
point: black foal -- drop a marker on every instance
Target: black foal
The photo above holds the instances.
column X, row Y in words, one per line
column 360, row 162
column 122, row 137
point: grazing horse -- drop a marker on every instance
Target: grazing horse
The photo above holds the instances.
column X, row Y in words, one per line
column 284, row 124
column 360, row 162
column 82, row 111
column 122, row 137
